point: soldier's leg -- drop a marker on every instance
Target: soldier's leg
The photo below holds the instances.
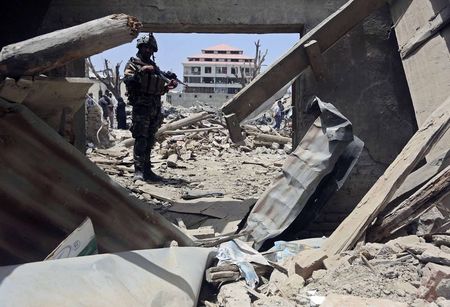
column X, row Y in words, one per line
column 156, row 119
column 139, row 130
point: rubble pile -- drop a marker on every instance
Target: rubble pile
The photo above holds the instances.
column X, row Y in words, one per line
column 199, row 157
column 407, row 269
column 205, row 172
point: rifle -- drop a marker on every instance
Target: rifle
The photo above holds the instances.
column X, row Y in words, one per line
column 165, row 75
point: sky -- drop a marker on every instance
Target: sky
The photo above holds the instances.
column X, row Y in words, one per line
column 175, row 48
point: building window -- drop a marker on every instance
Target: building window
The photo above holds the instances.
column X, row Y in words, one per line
column 221, row 70
column 194, row 79
column 208, row 80
column 222, row 90
column 207, row 70
column 222, row 52
column 233, row 70
column 221, row 80
column 208, row 60
column 232, row 80
column 209, row 51
column 247, row 71
column 195, row 70
column 234, row 60
column 234, row 52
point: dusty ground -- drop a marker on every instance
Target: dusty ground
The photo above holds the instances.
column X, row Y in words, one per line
column 230, row 171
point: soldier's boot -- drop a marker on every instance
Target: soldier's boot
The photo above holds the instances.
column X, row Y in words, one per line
column 138, row 174
column 139, row 159
column 149, row 175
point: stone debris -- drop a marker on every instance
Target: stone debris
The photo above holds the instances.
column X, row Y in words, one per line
column 201, row 165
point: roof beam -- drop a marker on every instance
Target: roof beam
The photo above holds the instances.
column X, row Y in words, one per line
column 295, row 61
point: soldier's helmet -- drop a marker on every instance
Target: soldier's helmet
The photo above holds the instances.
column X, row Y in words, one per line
column 148, row 40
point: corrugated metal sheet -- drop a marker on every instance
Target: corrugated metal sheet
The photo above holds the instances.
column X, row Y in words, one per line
column 47, row 188
column 314, row 158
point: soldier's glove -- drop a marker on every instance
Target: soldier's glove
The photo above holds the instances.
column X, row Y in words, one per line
column 147, row 68
column 172, row 84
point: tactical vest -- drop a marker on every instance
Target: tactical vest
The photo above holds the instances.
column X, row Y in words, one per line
column 151, row 83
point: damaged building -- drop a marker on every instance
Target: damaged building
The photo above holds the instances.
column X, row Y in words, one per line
column 349, row 207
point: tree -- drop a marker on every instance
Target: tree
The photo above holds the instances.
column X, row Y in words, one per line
column 255, row 65
column 111, row 78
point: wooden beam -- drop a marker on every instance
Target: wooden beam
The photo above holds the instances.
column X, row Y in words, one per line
column 315, row 59
column 55, row 49
column 426, row 32
column 194, row 118
column 349, row 231
column 290, row 65
column 413, row 207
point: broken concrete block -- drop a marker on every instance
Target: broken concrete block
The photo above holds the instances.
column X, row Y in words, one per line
column 292, row 285
column 441, row 240
column 432, row 275
column 370, row 250
column 435, row 255
column 442, row 302
column 308, row 261
column 172, row 160
column 398, row 244
column 404, row 287
column 319, row 274
column 338, row 300
column 443, row 288
column 233, row 295
column 276, row 279
column 429, row 221
column 419, row 248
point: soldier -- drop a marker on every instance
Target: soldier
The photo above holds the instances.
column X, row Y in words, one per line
column 145, row 84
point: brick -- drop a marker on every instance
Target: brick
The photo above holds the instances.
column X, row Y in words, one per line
column 432, row 275
column 308, row 261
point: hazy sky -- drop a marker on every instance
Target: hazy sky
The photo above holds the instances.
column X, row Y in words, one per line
column 175, row 48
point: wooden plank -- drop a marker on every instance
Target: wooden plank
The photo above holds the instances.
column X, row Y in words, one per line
column 192, row 119
column 348, row 232
column 427, row 70
column 55, row 49
column 422, row 175
column 315, row 59
column 413, row 207
column 290, row 65
column 426, row 32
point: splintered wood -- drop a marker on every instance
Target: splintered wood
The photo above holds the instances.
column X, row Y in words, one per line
column 55, row 49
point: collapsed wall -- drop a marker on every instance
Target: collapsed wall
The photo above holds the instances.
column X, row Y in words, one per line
column 365, row 80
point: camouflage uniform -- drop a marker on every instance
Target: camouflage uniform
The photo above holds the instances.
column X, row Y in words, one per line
column 144, row 94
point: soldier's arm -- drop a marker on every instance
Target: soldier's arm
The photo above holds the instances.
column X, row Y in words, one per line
column 130, row 76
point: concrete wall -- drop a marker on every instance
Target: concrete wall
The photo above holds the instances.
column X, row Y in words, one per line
column 208, row 16
column 195, row 99
column 365, row 81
